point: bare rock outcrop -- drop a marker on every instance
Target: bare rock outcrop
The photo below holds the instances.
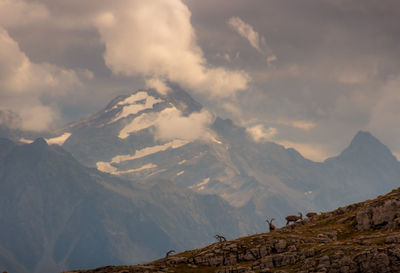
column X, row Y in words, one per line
column 380, row 215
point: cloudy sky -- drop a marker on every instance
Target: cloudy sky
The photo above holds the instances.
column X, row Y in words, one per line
column 307, row 74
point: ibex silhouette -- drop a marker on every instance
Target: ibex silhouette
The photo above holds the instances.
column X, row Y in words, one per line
column 220, row 238
column 293, row 218
column 169, row 253
column 271, row 226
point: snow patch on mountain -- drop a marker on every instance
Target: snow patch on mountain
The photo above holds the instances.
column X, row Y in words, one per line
column 144, row 167
column 150, row 150
column 132, row 99
column 133, row 106
column 213, row 139
column 106, row 167
column 200, row 186
column 58, row 140
column 24, row 140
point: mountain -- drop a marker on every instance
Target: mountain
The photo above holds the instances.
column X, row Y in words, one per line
column 360, row 238
column 149, row 186
column 123, row 139
column 363, row 170
column 59, row 215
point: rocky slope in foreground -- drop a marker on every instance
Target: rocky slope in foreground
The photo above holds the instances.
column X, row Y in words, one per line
column 363, row 237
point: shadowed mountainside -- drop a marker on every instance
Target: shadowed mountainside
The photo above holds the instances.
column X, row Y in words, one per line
column 58, row 215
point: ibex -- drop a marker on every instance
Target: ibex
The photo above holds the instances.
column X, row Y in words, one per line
column 271, row 226
column 169, row 253
column 293, row 218
column 311, row 214
column 220, row 238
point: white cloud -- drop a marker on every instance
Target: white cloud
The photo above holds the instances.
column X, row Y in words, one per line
column 255, row 39
column 37, row 117
column 176, row 126
column 156, row 38
column 246, row 31
column 158, row 84
column 23, row 84
column 232, row 108
column 260, row 134
column 171, row 124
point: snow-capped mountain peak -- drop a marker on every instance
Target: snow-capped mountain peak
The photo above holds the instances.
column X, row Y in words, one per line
column 148, row 137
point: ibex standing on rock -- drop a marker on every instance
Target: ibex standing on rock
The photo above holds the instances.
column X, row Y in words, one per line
column 220, row 238
column 169, row 253
column 271, row 226
column 293, row 218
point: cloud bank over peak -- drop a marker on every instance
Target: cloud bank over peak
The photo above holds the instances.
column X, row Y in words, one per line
column 260, row 134
column 173, row 125
column 158, row 84
column 24, row 83
column 156, row 38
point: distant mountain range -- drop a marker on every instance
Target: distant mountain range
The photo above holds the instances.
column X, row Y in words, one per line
column 122, row 140
column 58, row 215
column 131, row 195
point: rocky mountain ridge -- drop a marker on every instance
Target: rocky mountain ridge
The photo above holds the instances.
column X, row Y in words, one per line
column 123, row 139
column 362, row 237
